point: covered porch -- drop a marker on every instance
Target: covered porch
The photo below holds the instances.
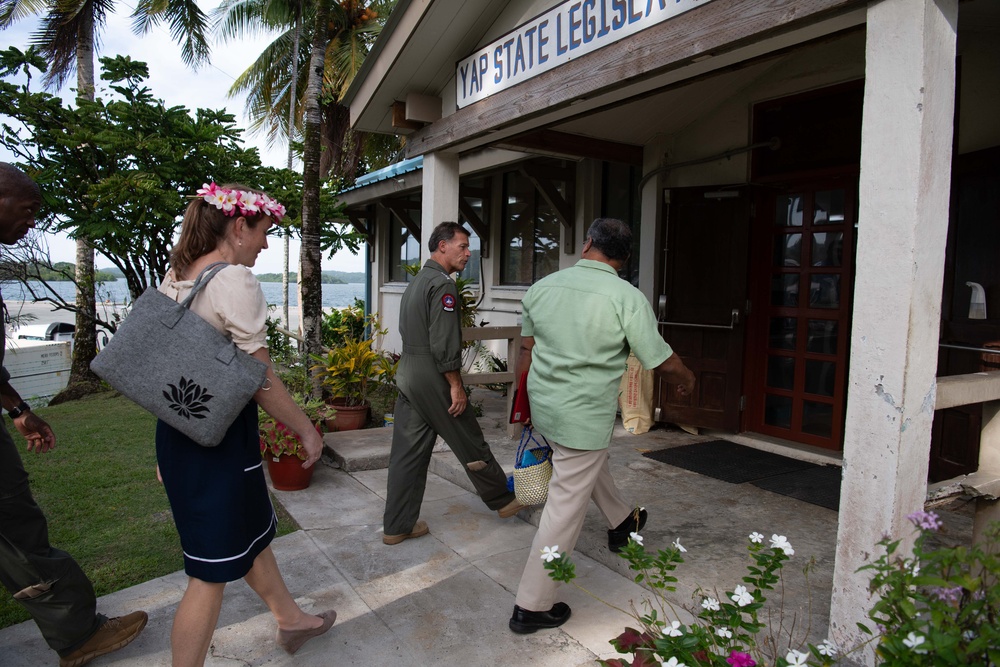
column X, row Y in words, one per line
column 668, row 129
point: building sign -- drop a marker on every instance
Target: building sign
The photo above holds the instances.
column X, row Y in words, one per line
column 567, row 31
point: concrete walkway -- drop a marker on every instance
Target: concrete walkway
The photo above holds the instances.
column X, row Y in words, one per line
column 446, row 598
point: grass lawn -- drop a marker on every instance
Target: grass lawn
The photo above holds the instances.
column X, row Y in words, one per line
column 99, row 492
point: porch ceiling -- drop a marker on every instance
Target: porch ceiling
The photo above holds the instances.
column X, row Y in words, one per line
column 637, row 121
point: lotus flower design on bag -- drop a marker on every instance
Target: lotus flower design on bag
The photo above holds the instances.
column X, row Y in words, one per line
column 188, row 399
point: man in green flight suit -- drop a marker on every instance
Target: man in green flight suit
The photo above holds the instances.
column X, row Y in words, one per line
column 432, row 398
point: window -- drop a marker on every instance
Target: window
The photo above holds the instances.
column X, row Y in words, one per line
column 404, row 247
column 475, row 194
column 471, row 271
column 620, row 200
column 530, row 225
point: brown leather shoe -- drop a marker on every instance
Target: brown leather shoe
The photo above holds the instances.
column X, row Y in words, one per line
column 510, row 509
column 111, row 636
column 419, row 528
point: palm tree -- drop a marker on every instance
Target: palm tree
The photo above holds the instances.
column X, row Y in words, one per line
column 339, row 35
column 67, row 38
column 236, row 18
column 310, row 282
column 272, row 82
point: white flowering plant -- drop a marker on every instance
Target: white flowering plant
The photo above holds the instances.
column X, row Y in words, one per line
column 938, row 606
column 727, row 630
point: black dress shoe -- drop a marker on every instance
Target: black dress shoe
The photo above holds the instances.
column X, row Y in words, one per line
column 618, row 536
column 525, row 622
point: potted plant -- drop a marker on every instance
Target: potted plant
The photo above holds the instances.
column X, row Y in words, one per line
column 349, row 372
column 282, row 449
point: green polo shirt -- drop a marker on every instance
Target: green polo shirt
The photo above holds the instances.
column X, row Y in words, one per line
column 584, row 320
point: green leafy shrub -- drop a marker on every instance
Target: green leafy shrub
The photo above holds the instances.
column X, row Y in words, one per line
column 937, row 607
column 343, row 324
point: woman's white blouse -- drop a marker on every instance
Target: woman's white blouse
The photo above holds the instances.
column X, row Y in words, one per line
column 232, row 302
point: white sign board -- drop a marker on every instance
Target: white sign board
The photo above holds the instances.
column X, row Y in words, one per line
column 567, row 31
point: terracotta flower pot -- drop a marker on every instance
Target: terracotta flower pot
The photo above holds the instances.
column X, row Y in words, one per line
column 348, row 418
column 287, row 473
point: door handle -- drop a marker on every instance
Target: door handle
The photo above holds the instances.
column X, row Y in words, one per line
column 733, row 321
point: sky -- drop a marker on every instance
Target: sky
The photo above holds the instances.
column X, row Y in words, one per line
column 177, row 84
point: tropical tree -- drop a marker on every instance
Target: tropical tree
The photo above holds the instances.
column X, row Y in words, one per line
column 236, row 18
column 66, row 39
column 339, row 35
column 276, row 82
column 121, row 169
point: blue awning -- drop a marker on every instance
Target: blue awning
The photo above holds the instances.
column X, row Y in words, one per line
column 391, row 171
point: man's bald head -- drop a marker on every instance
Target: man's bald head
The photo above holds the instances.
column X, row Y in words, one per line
column 20, row 199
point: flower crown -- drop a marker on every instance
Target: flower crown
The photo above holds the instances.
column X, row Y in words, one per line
column 228, row 200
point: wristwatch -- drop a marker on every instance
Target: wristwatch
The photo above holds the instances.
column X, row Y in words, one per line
column 19, row 410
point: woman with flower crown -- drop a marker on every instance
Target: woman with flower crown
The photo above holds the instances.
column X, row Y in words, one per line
column 218, row 495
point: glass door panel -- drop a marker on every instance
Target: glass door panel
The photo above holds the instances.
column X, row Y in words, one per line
column 797, row 386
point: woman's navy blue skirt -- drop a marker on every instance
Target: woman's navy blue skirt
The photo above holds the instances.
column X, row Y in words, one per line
column 218, row 496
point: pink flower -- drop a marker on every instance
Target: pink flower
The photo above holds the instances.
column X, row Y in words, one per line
column 230, row 201
column 925, row 520
column 737, row 659
column 207, row 191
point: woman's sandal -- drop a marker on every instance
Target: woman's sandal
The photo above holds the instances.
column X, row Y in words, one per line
column 292, row 640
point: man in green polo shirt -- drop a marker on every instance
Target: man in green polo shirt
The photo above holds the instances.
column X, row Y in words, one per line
column 578, row 327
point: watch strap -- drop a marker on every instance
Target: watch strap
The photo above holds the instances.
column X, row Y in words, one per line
column 19, row 410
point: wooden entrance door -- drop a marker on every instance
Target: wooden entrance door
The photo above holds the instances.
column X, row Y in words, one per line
column 802, row 271
column 701, row 312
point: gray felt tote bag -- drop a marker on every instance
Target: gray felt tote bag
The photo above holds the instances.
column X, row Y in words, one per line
column 179, row 367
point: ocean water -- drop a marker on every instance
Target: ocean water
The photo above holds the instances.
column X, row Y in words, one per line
column 334, row 296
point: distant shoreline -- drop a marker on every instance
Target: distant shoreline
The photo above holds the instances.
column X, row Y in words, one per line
column 34, row 313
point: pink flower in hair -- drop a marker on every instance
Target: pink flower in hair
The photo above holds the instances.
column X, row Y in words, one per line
column 207, row 190
column 229, row 201
column 250, row 202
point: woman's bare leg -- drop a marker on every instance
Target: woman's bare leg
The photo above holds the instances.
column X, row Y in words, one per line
column 265, row 579
column 195, row 621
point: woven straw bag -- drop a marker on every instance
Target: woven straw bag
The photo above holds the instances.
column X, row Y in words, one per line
column 532, row 469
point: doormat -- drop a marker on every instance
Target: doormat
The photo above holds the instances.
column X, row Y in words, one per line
column 819, row 485
column 739, row 464
column 727, row 461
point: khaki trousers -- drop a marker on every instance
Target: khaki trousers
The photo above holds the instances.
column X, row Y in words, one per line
column 577, row 476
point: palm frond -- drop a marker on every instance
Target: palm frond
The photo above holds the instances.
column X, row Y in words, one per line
column 188, row 25
column 12, row 11
column 242, row 18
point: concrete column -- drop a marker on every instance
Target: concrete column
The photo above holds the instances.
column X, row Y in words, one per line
column 906, row 144
column 440, row 195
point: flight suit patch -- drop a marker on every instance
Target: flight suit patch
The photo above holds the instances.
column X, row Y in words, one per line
column 448, row 303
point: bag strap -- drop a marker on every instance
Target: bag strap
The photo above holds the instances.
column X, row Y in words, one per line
column 527, row 438
column 206, row 274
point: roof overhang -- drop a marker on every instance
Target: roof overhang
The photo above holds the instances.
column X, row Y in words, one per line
column 417, row 52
